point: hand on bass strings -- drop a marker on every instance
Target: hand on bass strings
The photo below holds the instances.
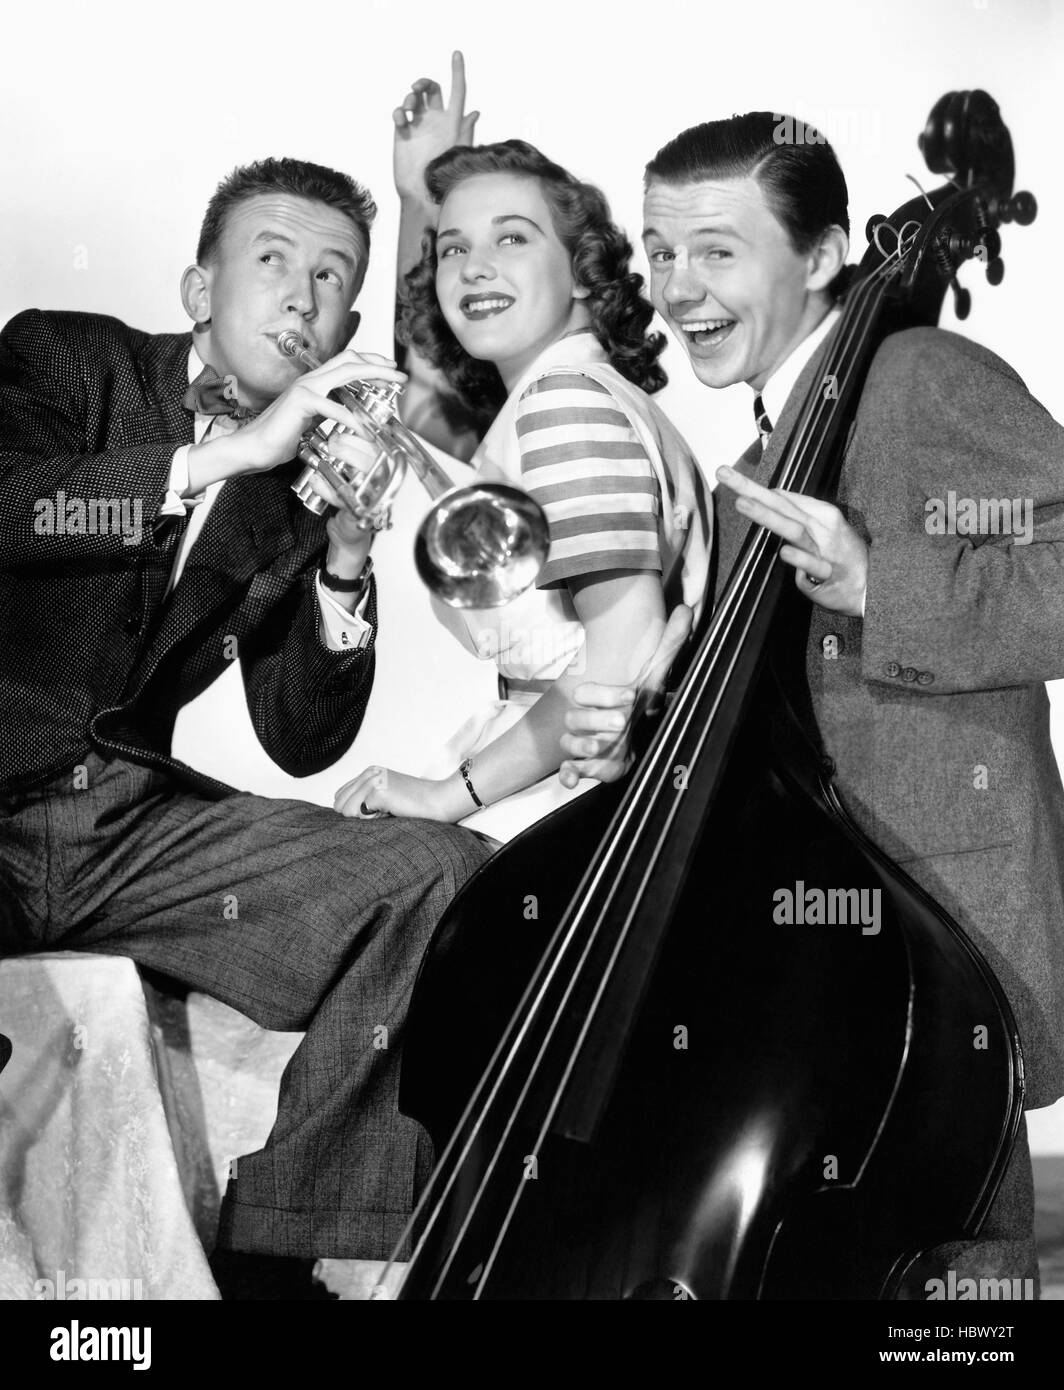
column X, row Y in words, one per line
column 829, row 558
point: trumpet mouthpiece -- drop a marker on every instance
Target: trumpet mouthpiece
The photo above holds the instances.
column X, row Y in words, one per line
column 290, row 343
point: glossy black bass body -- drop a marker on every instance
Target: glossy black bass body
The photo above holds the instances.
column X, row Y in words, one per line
column 783, row 1122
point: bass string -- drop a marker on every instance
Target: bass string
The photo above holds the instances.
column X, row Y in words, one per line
column 861, row 293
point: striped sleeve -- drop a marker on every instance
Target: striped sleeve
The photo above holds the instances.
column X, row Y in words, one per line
column 584, row 464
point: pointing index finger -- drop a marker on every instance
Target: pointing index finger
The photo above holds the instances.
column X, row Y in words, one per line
column 775, row 501
column 740, row 483
column 458, row 82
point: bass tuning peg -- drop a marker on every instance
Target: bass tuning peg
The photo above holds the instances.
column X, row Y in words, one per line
column 990, row 239
column 1024, row 208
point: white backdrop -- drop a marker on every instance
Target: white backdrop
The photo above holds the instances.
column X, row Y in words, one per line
column 118, row 120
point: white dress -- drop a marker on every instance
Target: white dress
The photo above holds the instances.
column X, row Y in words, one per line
column 621, row 489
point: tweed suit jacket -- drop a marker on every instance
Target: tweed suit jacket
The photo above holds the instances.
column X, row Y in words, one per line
column 932, row 706
column 93, row 655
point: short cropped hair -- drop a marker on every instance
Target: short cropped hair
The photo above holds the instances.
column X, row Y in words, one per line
column 297, row 177
column 599, row 254
column 797, row 169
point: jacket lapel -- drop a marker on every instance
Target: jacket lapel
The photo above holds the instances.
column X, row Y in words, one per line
column 247, row 530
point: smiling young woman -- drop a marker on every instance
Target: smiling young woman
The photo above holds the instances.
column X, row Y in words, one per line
column 525, row 300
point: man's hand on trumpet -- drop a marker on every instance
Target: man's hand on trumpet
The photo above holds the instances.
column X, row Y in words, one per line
column 346, row 528
column 272, row 438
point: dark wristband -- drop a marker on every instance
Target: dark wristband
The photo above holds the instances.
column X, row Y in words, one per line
column 347, row 586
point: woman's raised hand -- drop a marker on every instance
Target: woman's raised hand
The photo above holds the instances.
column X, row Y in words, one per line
column 424, row 128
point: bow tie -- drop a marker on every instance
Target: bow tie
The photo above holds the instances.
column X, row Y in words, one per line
column 211, row 394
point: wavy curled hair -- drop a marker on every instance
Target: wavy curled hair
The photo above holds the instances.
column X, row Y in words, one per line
column 600, row 256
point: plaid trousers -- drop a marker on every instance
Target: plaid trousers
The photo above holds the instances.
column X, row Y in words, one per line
column 299, row 918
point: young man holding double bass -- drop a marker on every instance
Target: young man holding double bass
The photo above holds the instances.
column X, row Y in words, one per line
column 927, row 649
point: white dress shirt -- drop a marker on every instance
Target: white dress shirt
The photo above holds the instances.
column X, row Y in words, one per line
column 343, row 630
column 784, row 379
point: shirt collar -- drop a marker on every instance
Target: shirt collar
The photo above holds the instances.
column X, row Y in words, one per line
column 782, row 381
column 570, row 350
column 196, row 364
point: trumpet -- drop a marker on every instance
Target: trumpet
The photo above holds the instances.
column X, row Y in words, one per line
column 477, row 547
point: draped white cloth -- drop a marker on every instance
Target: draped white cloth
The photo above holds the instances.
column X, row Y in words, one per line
column 120, row 1112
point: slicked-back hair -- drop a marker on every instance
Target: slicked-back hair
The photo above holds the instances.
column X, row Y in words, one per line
column 297, row 177
column 797, row 169
column 599, row 253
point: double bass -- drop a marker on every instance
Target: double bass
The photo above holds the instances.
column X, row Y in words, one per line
column 638, row 1084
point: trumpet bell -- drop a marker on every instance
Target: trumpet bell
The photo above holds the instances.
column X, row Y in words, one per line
column 481, row 546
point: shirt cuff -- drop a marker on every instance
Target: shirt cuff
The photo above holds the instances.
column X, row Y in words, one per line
column 175, row 503
column 344, row 631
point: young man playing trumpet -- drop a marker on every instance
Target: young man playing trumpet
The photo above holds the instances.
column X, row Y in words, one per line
column 108, row 844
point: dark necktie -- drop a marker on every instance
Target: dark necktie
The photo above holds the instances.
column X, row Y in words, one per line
column 211, row 394
column 764, row 424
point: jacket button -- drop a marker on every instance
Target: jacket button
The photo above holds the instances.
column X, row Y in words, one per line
column 892, row 669
column 909, row 674
column 924, row 678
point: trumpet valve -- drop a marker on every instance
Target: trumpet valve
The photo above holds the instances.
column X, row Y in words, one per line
column 380, row 400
